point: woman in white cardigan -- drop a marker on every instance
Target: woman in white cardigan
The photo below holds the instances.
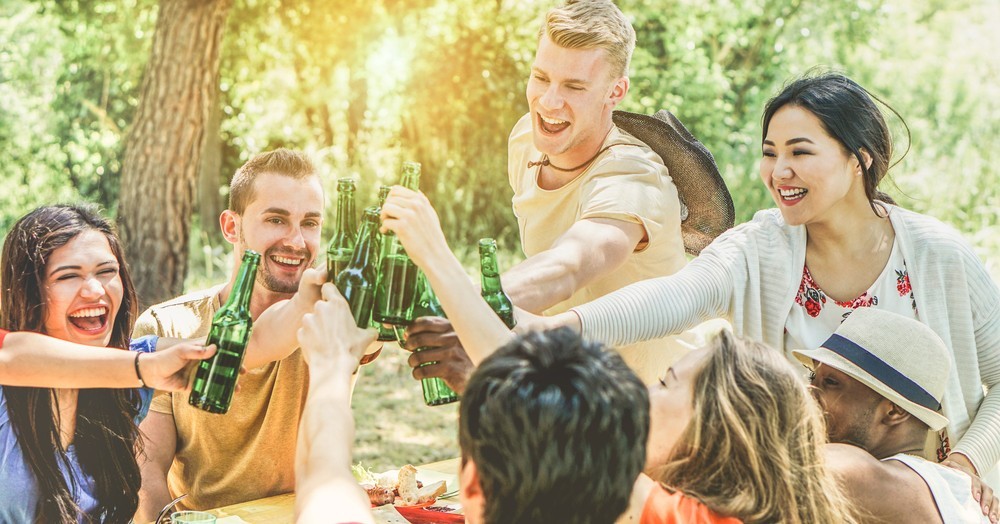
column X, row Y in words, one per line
column 790, row 276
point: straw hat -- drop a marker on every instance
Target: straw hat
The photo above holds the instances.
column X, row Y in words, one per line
column 703, row 193
column 897, row 357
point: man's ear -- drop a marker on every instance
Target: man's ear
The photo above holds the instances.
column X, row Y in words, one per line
column 618, row 91
column 471, row 492
column 895, row 415
column 230, row 223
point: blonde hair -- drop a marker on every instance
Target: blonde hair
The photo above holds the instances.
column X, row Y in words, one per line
column 590, row 24
column 754, row 447
column 281, row 161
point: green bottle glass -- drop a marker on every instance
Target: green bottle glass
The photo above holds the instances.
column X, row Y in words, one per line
column 396, row 293
column 385, row 334
column 215, row 379
column 436, row 391
column 492, row 289
column 341, row 248
column 357, row 281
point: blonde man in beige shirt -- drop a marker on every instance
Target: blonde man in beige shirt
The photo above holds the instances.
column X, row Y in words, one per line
column 276, row 208
column 596, row 208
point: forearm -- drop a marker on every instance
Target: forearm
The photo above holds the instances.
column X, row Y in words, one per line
column 540, row 282
column 323, row 474
column 273, row 337
column 153, row 494
column 478, row 328
column 33, row 359
column 981, row 442
column 657, row 307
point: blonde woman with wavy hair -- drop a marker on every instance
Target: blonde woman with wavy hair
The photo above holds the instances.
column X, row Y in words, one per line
column 735, row 436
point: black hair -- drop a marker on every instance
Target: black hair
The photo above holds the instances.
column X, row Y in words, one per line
column 557, row 428
column 106, row 438
column 848, row 114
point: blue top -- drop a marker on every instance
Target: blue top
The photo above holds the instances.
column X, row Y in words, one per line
column 18, row 489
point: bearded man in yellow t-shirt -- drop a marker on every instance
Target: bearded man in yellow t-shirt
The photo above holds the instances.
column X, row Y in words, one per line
column 276, row 206
column 596, row 207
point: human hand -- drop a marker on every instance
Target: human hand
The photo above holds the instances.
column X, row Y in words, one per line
column 980, row 490
column 310, row 287
column 411, row 217
column 170, row 369
column 441, row 356
column 329, row 337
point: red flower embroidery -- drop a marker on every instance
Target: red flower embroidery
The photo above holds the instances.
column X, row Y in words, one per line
column 865, row 300
column 903, row 283
column 809, row 295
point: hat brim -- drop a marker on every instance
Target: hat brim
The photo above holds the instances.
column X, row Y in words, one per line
column 700, row 187
column 932, row 418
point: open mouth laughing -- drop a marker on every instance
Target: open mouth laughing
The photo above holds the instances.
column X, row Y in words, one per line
column 90, row 320
column 551, row 126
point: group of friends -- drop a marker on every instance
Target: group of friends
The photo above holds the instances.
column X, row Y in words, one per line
column 601, row 405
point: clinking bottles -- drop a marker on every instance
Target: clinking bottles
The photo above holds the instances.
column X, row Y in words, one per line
column 341, row 247
column 492, row 290
column 357, row 281
column 396, row 292
column 385, row 334
column 215, row 379
column 436, row 391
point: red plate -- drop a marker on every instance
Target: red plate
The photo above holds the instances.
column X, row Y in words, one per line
column 421, row 515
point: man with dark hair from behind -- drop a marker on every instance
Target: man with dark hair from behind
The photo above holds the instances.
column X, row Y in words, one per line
column 552, row 428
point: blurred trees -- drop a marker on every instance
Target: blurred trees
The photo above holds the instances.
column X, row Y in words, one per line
column 364, row 84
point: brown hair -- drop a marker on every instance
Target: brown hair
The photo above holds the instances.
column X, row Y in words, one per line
column 589, row 24
column 281, row 161
column 754, row 447
column 106, row 439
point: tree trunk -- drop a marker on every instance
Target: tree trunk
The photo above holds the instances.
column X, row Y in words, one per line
column 210, row 179
column 164, row 147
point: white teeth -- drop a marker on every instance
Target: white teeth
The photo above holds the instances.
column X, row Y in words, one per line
column 289, row 261
column 90, row 312
column 791, row 193
column 552, row 121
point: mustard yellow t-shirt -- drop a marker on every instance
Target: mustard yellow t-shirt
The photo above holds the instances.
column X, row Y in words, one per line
column 627, row 182
column 246, row 454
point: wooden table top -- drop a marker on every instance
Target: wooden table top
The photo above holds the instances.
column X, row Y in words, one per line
column 280, row 509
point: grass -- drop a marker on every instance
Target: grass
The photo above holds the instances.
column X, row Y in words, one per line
column 393, row 426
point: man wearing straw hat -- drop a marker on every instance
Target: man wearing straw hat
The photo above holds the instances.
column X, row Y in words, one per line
column 880, row 378
column 603, row 198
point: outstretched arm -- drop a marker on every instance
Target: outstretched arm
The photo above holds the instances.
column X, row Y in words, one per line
column 334, row 346
column 33, row 359
column 590, row 249
column 409, row 214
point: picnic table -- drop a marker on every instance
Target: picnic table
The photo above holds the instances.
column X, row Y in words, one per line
column 280, row 509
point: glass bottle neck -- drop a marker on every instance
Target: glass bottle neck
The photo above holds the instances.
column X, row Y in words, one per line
column 488, row 268
column 364, row 251
column 345, row 212
column 239, row 297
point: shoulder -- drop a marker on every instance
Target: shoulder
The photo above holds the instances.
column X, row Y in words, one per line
column 767, row 229
column 180, row 317
column 630, row 155
column 858, row 468
column 521, row 129
column 926, row 231
column 144, row 344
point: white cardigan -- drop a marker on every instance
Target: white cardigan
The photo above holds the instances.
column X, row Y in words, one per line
column 751, row 273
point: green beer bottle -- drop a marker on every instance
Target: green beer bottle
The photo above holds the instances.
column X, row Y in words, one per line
column 436, row 391
column 492, row 290
column 341, row 247
column 385, row 334
column 396, row 292
column 357, row 281
column 215, row 379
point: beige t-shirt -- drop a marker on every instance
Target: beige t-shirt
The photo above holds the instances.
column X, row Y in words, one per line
column 249, row 452
column 627, row 182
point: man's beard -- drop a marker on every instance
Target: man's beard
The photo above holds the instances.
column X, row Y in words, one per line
column 271, row 283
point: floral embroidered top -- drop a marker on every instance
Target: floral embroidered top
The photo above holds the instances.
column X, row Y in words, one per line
column 815, row 316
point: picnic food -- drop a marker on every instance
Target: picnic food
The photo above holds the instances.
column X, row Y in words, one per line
column 401, row 488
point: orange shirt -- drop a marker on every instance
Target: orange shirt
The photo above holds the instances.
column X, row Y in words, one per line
column 3, row 335
column 663, row 507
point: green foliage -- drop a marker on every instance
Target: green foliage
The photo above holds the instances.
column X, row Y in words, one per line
column 367, row 84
